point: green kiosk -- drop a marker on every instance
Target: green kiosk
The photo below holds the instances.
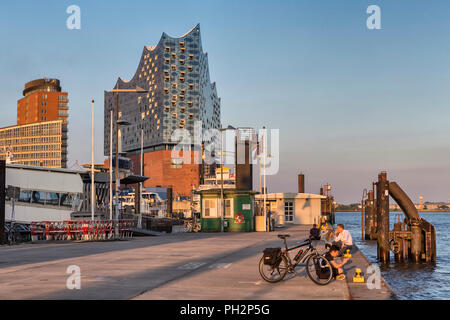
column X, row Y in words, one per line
column 238, row 199
column 238, row 210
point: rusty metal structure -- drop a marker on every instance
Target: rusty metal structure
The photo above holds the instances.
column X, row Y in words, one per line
column 411, row 239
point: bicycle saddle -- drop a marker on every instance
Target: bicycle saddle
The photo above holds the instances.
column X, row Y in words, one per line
column 283, row 236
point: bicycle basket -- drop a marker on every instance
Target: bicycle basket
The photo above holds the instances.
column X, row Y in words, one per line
column 272, row 256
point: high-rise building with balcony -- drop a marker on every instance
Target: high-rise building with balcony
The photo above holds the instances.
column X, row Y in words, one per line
column 179, row 93
column 43, row 101
column 40, row 136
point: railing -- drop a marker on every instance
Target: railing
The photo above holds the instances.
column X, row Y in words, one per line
column 88, row 230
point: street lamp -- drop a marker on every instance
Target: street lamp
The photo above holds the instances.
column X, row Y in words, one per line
column 123, row 123
column 221, row 176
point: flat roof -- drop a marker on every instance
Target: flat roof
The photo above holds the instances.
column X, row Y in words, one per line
column 37, row 168
column 290, row 195
column 225, row 191
column 30, row 124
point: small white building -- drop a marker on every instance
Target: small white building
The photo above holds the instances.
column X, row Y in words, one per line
column 293, row 208
column 46, row 194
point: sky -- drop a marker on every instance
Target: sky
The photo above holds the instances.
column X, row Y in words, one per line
column 349, row 102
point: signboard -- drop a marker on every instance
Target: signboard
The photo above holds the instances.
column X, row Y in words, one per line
column 246, row 206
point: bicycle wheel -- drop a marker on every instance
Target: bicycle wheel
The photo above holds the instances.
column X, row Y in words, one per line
column 319, row 269
column 271, row 274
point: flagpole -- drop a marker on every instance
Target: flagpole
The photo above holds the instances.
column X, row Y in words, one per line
column 92, row 168
column 265, row 188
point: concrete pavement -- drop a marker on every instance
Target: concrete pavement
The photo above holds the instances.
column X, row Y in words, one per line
column 173, row 266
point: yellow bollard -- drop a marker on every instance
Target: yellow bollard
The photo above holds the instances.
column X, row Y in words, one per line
column 358, row 278
column 347, row 254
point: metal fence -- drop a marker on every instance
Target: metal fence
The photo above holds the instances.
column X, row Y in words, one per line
column 88, row 230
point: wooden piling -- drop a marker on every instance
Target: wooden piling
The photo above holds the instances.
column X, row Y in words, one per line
column 370, row 217
column 383, row 218
column 416, row 241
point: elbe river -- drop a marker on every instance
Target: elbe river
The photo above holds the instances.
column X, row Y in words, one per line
column 410, row 280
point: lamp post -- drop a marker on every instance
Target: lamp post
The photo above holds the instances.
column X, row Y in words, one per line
column 93, row 200
column 222, row 198
column 119, row 122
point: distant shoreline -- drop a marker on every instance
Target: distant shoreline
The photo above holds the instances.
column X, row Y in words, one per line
column 395, row 210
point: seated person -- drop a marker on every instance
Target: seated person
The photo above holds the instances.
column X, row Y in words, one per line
column 338, row 273
column 323, row 224
column 343, row 239
column 314, row 233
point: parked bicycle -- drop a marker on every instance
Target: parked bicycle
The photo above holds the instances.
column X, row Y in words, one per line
column 276, row 262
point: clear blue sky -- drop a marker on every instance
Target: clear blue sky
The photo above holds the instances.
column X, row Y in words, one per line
column 349, row 101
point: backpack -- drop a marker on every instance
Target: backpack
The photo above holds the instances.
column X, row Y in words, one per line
column 272, row 256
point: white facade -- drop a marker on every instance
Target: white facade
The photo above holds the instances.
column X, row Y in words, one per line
column 47, row 194
column 294, row 208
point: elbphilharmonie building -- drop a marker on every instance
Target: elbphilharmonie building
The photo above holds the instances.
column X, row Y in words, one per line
column 174, row 91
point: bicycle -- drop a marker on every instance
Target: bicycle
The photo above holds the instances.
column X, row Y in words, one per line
column 318, row 268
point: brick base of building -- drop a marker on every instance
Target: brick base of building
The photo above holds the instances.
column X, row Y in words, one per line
column 158, row 167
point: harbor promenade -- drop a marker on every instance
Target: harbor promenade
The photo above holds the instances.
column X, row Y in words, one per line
column 173, row 266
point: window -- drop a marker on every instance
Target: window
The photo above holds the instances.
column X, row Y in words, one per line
column 191, row 86
column 25, row 196
column 191, row 57
column 166, row 61
column 67, row 200
column 174, row 67
column 228, row 206
column 190, row 68
column 38, row 197
column 174, row 55
column 182, row 62
column 177, row 163
column 289, row 211
column 167, row 49
column 209, row 206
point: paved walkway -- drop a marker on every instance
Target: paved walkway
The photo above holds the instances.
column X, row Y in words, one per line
column 174, row 266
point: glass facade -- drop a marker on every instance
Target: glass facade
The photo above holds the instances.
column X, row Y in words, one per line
column 176, row 75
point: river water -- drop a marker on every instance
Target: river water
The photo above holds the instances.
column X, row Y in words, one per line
column 410, row 281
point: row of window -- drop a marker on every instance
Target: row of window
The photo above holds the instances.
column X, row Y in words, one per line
column 68, row 200
column 211, row 208
column 31, row 130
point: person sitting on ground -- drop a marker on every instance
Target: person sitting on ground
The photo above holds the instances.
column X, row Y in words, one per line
column 323, row 224
column 314, row 233
column 338, row 272
column 343, row 239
